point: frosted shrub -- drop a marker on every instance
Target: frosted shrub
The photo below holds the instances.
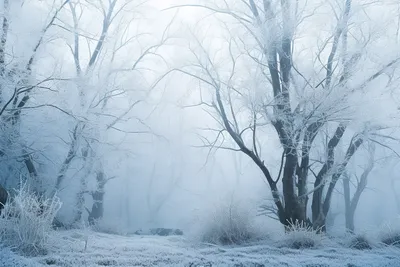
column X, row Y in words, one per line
column 227, row 225
column 26, row 222
column 360, row 242
column 390, row 234
column 300, row 236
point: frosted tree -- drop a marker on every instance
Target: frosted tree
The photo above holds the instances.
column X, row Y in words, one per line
column 19, row 82
column 273, row 75
column 103, row 64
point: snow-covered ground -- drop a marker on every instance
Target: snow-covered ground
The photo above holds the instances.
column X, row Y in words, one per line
column 68, row 249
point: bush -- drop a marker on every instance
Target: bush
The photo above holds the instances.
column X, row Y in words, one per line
column 390, row 235
column 300, row 236
column 26, row 221
column 391, row 239
column 229, row 224
column 360, row 242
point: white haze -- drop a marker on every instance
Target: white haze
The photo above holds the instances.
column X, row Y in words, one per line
column 161, row 178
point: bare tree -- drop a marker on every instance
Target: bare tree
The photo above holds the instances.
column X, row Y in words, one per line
column 300, row 107
column 19, row 80
column 95, row 94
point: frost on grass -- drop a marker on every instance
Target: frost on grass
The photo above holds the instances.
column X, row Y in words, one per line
column 10, row 259
column 26, row 222
column 68, row 250
column 300, row 236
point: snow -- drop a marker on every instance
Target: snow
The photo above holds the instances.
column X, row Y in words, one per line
column 68, row 249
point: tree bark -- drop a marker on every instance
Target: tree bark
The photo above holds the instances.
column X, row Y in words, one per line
column 349, row 219
column 98, row 197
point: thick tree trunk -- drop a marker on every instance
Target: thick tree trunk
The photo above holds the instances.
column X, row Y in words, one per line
column 97, row 208
column 318, row 217
column 295, row 202
column 98, row 197
column 302, row 175
column 288, row 179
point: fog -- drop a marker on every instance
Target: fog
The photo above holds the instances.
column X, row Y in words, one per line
column 150, row 128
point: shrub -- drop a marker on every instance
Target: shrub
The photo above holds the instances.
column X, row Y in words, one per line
column 228, row 224
column 26, row 221
column 360, row 242
column 300, row 236
column 391, row 239
column 390, row 235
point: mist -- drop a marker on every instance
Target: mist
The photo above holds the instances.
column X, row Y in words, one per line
column 162, row 114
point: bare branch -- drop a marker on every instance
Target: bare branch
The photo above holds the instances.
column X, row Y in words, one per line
column 342, row 23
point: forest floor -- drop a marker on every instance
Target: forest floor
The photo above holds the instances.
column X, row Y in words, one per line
column 89, row 249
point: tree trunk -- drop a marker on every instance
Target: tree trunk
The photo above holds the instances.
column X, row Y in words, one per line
column 70, row 156
column 288, row 186
column 351, row 150
column 318, row 217
column 349, row 216
column 351, row 205
column 87, row 155
column 97, row 208
column 320, row 206
column 295, row 204
column 350, row 221
column 316, row 205
column 98, row 197
column 80, row 200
